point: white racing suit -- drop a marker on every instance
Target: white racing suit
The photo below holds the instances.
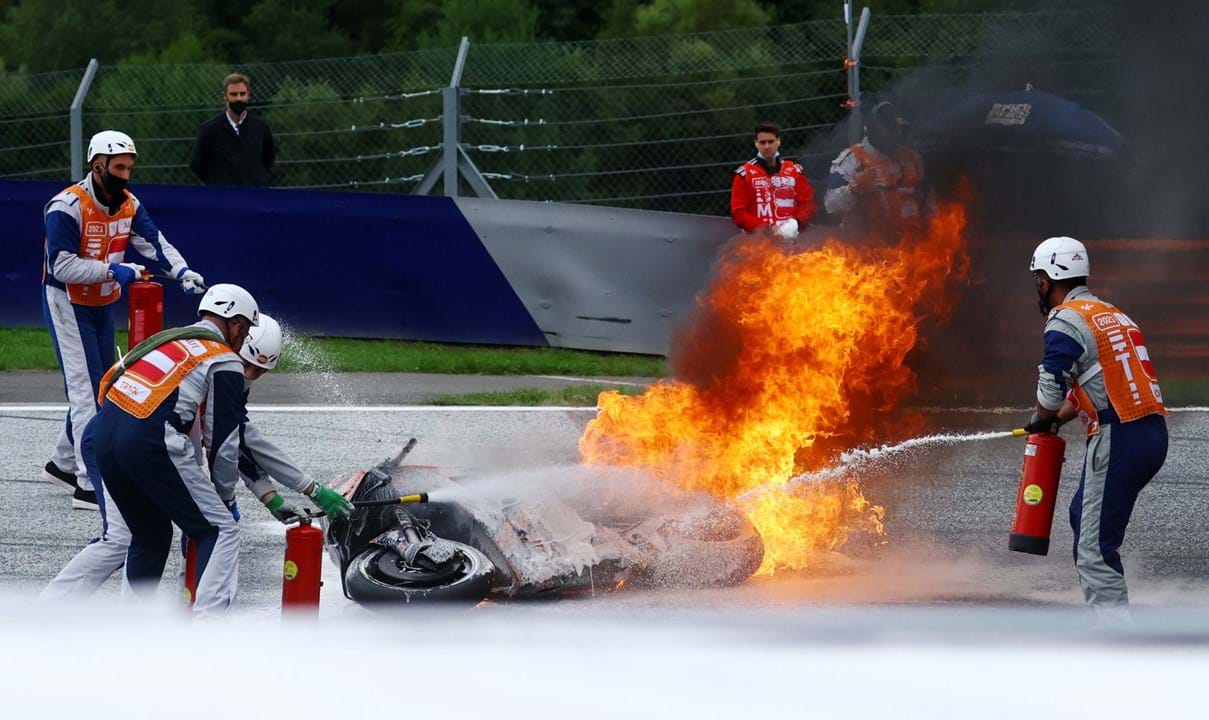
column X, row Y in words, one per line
column 146, row 458
column 82, row 238
column 259, row 460
column 1126, row 445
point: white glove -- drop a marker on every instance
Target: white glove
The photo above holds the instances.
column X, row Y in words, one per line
column 788, row 229
column 192, row 283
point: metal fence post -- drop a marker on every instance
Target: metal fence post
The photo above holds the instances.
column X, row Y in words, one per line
column 454, row 163
column 452, row 120
column 77, row 120
column 852, row 64
column 855, row 73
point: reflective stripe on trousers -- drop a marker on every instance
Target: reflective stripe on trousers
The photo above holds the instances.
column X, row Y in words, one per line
column 151, row 474
column 83, row 341
column 101, row 558
column 1120, row 461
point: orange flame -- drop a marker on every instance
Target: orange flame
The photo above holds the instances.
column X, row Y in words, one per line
column 790, row 357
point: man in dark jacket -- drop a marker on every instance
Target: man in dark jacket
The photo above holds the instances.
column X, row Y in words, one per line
column 235, row 148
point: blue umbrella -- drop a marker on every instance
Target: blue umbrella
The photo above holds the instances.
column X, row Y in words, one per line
column 1025, row 121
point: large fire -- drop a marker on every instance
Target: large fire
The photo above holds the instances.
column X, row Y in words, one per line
column 790, row 357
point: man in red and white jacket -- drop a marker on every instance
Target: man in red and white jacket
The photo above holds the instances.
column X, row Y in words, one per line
column 770, row 192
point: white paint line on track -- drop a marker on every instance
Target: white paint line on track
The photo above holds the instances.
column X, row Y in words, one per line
column 593, row 381
column 61, row 407
column 53, row 407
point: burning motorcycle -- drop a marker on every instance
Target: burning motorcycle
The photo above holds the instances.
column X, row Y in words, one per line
column 421, row 534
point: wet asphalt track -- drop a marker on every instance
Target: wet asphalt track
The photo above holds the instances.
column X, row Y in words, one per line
column 948, row 512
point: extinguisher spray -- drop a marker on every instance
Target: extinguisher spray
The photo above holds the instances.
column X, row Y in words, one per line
column 303, row 569
column 1044, row 454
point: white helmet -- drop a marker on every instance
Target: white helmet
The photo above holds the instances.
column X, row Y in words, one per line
column 1061, row 258
column 262, row 348
column 227, row 301
column 110, row 142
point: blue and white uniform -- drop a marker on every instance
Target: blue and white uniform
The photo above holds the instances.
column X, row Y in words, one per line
column 148, row 461
column 1096, row 358
column 260, row 462
column 82, row 239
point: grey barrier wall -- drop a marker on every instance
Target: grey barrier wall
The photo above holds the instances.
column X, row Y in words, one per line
column 600, row 278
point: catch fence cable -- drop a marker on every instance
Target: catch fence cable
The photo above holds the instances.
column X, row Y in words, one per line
column 488, row 148
column 370, row 127
column 648, row 86
column 651, row 116
column 410, row 152
column 180, row 109
column 410, row 179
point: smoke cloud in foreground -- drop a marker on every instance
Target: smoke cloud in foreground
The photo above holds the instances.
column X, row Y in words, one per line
column 500, row 661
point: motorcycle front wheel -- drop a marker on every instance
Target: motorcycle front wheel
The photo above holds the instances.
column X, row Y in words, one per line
column 378, row 575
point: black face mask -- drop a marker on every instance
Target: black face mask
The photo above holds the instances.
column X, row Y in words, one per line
column 1042, row 303
column 884, row 140
column 114, row 186
column 238, row 106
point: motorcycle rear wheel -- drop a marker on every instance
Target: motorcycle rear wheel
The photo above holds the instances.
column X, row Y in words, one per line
column 378, row 576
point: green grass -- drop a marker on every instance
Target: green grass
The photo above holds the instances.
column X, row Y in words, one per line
column 1182, row 393
column 574, row 395
column 30, row 349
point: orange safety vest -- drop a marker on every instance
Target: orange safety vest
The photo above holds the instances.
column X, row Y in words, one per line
column 890, row 211
column 142, row 387
column 102, row 237
column 1129, row 377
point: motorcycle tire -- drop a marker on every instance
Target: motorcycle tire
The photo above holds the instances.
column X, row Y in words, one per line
column 377, row 577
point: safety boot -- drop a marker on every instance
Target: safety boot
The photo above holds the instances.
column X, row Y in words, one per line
column 54, row 474
column 85, row 500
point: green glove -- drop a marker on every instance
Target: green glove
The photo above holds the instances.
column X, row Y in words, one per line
column 282, row 510
column 330, row 501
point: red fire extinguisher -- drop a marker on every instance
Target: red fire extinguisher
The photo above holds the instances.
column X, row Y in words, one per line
column 146, row 300
column 303, row 569
column 1038, row 493
column 190, row 571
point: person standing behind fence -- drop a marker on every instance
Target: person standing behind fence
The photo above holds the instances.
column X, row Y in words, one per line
column 770, row 192
column 236, row 147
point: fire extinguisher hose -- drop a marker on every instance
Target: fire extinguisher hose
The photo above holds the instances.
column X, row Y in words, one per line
column 401, row 500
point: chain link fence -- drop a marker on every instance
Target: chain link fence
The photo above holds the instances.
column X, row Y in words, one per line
column 647, row 122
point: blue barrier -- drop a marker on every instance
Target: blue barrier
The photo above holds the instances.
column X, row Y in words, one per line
column 347, row 264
